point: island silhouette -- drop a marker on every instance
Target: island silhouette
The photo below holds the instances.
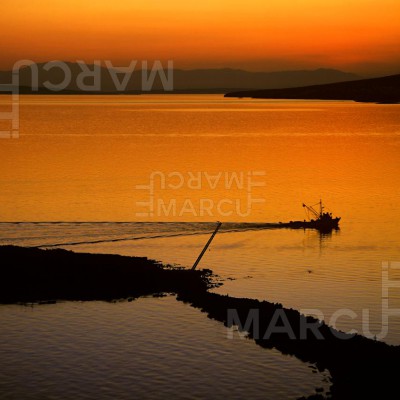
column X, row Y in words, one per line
column 207, row 80
column 375, row 90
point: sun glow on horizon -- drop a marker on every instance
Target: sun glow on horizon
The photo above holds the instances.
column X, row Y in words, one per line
column 360, row 36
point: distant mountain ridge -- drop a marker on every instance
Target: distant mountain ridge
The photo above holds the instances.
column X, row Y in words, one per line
column 378, row 90
column 189, row 81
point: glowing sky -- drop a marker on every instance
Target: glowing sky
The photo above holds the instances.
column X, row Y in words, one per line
column 353, row 35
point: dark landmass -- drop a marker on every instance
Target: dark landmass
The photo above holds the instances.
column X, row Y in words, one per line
column 184, row 81
column 360, row 368
column 45, row 91
column 34, row 275
column 377, row 90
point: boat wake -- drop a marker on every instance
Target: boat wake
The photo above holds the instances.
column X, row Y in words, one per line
column 55, row 234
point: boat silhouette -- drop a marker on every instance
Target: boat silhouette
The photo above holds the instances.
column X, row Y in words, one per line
column 317, row 219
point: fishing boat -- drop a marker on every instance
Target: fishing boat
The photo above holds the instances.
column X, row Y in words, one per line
column 317, row 219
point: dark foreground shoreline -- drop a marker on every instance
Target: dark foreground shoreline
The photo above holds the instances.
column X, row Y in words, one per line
column 32, row 275
column 360, row 367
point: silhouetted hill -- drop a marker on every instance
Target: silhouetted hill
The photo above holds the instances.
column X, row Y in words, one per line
column 377, row 90
column 226, row 78
column 187, row 81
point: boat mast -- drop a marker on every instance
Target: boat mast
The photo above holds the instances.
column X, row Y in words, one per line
column 206, row 246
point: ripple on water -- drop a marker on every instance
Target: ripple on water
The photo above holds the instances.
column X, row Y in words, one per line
column 152, row 348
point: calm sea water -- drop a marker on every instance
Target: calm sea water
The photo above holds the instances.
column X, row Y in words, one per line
column 82, row 158
column 150, row 348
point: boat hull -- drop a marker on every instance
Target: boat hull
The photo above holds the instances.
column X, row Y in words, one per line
column 321, row 225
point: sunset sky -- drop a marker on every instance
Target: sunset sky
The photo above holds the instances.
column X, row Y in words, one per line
column 353, row 35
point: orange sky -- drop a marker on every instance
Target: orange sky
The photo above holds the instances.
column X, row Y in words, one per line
column 354, row 35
